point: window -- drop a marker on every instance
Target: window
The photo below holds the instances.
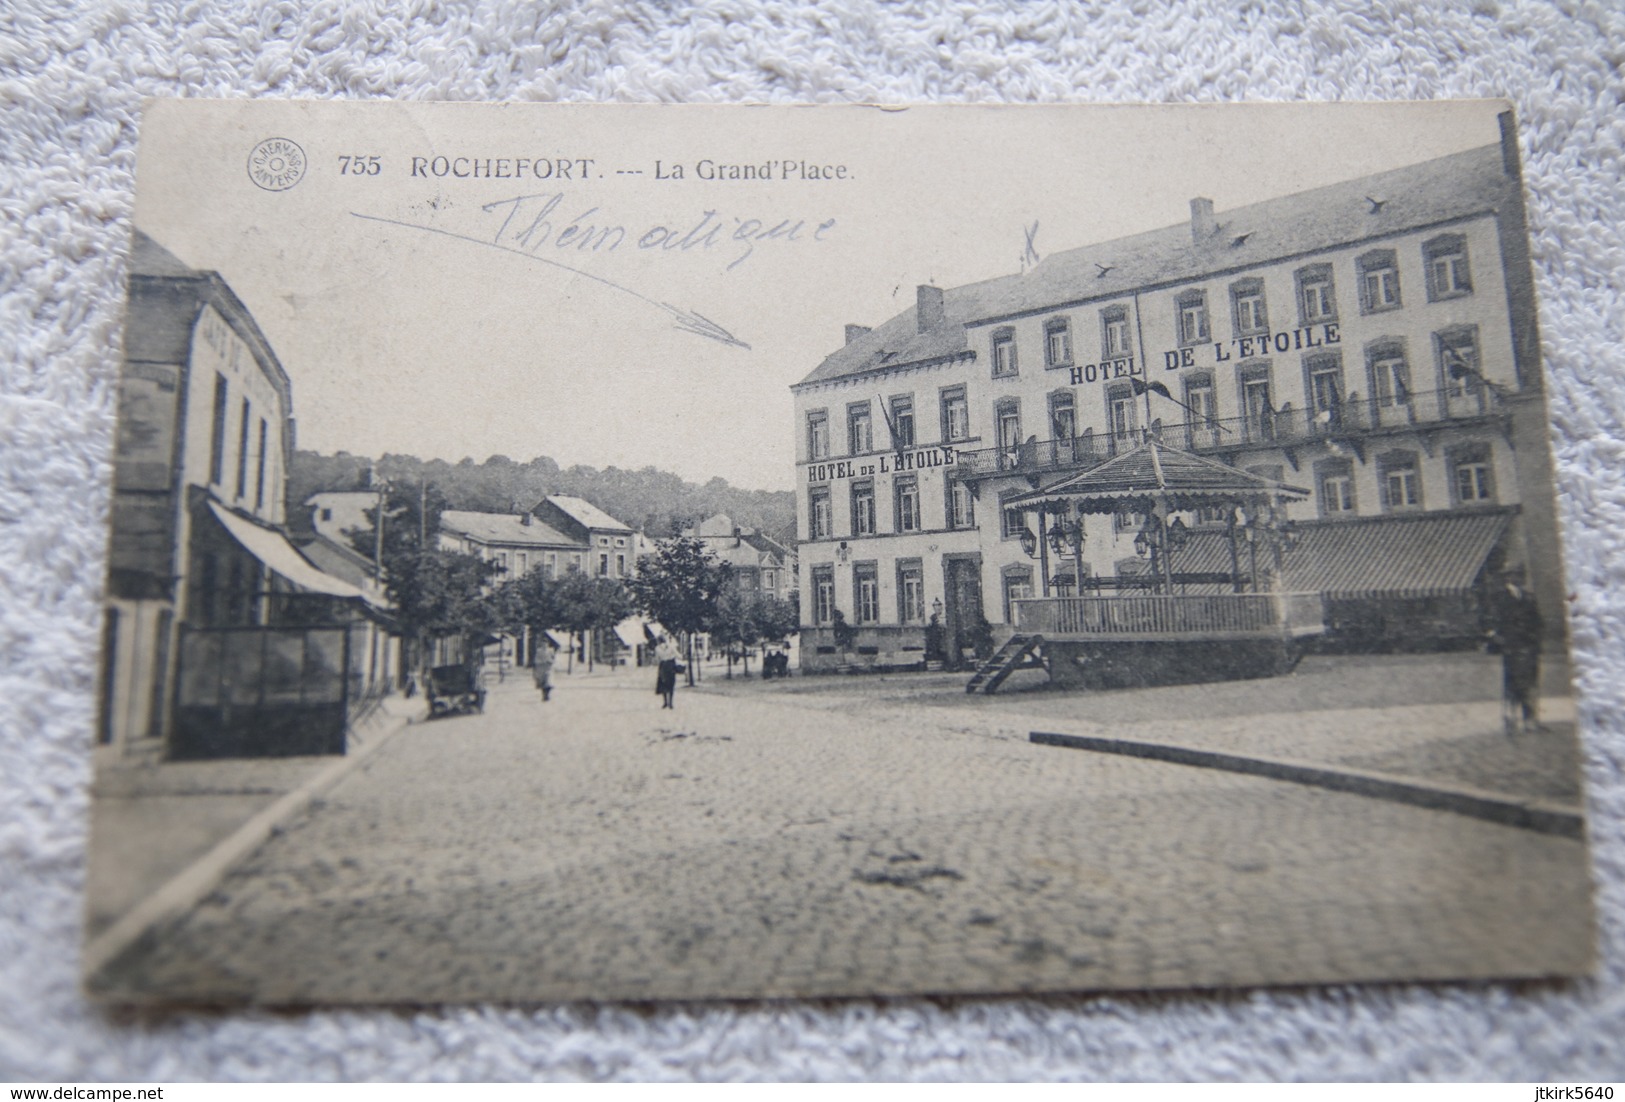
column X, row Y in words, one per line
column 1257, row 408
column 1063, row 416
column 1114, row 332
column 1379, row 281
column 620, row 541
column 217, row 439
column 955, row 415
column 1057, row 342
column 1018, row 586
column 819, row 526
column 242, row 450
column 1247, row 307
column 961, row 506
column 577, row 560
column 1013, row 522
column 1317, row 298
column 327, row 514
column 1325, row 390
column 1458, row 360
column 1401, row 481
column 818, row 435
column 259, row 474
column 906, row 504
column 550, row 568
column 860, row 436
column 1120, row 408
column 863, row 508
column 603, row 565
column 910, row 592
column 1472, row 479
column 1191, row 310
column 1334, row 478
column 902, row 421
column 1007, row 424
column 620, row 566
column 603, row 541
column 1203, row 410
column 1448, row 274
column 866, row 591
column 521, row 562
column 1004, row 352
column 823, row 584
column 1390, row 376
column 501, row 559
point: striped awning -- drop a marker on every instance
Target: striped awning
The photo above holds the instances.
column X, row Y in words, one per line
column 1380, row 557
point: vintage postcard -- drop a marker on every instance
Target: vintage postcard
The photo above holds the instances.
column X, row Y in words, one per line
column 638, row 552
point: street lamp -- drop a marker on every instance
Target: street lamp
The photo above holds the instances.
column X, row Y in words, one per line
column 1157, row 538
column 1067, row 534
column 1267, row 526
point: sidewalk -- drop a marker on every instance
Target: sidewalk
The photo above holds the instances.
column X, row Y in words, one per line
column 150, row 819
column 1429, row 718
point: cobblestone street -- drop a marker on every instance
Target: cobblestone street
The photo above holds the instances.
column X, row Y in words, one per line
column 835, row 840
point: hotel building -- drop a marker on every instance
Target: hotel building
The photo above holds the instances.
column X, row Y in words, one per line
column 1373, row 343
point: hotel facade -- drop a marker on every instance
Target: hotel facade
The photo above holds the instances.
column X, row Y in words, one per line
column 1373, row 343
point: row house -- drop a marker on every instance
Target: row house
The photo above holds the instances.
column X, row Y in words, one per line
column 1372, row 342
column 220, row 637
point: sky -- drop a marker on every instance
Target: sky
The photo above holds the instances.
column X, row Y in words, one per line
column 440, row 279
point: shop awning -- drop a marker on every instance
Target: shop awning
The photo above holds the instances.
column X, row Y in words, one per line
column 273, row 549
column 1382, row 557
column 630, row 631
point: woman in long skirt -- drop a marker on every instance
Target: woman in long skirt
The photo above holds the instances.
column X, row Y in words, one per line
column 666, row 677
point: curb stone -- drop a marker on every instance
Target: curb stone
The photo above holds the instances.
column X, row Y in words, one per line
column 1526, row 814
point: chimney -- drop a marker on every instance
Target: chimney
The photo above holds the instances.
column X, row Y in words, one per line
column 1202, row 224
column 853, row 332
column 526, row 519
column 928, row 312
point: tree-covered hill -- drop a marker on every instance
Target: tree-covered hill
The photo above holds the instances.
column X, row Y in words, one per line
column 657, row 502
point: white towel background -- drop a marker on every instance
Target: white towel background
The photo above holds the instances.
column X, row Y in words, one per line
column 71, row 82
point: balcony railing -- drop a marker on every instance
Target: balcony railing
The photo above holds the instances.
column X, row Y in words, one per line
column 1274, row 428
column 1355, row 415
column 1162, row 617
column 1038, row 456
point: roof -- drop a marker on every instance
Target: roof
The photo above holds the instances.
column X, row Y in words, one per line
column 1409, row 198
column 148, row 258
column 503, row 528
column 586, row 514
column 1155, row 470
column 1377, row 557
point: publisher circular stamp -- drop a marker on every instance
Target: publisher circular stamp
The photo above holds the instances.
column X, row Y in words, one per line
column 276, row 164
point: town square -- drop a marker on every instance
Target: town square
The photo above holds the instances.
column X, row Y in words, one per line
column 1182, row 607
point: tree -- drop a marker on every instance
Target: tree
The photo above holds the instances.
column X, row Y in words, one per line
column 580, row 604
column 435, row 592
column 747, row 618
column 679, row 585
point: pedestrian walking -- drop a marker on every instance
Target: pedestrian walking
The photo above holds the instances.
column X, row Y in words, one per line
column 1515, row 632
column 666, row 675
column 541, row 668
